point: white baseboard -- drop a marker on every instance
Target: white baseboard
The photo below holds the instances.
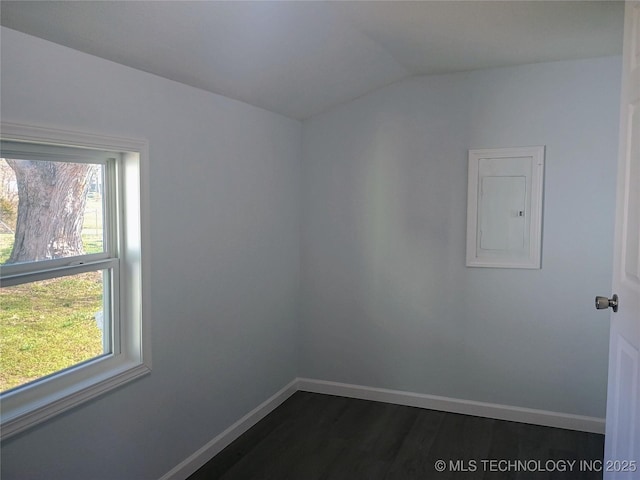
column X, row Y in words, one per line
column 189, row 466
column 420, row 400
column 454, row 405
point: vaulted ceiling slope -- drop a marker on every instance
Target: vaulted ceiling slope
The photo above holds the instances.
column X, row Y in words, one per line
column 301, row 58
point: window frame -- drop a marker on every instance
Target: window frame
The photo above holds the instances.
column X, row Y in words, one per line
column 130, row 357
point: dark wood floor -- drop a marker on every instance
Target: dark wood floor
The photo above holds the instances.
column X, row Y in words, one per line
column 312, row 436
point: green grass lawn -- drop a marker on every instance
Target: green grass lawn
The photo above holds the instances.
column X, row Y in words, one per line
column 49, row 325
column 6, row 244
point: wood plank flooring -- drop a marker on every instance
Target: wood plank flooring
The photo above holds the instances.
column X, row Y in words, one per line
column 312, row 436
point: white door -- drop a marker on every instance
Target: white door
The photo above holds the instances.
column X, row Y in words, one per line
column 622, row 442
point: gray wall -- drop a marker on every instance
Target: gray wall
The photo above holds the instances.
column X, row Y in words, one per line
column 224, row 261
column 386, row 298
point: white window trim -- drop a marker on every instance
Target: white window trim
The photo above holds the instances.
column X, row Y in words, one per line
column 37, row 402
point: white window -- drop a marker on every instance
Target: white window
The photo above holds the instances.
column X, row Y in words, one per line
column 73, row 321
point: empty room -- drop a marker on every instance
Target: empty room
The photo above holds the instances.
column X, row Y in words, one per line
column 319, row 240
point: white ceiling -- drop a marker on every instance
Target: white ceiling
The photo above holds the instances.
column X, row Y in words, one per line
column 301, row 58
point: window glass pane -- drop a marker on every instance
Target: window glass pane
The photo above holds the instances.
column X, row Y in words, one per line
column 49, row 325
column 50, row 210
